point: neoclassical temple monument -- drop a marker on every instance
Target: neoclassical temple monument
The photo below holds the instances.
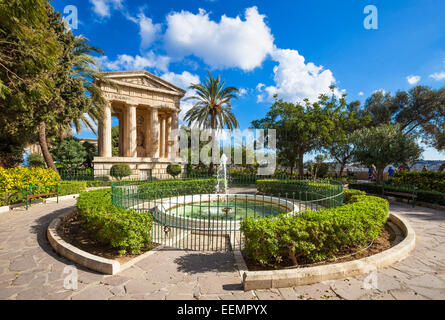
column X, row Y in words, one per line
column 147, row 108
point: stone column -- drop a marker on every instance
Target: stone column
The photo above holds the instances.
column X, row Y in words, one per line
column 162, row 142
column 121, row 135
column 100, row 140
column 174, row 139
column 154, row 133
column 106, row 145
column 168, row 131
column 132, row 132
column 147, row 125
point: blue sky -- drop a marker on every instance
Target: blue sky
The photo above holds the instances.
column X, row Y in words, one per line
column 293, row 48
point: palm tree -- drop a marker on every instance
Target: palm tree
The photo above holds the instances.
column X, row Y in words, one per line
column 80, row 100
column 213, row 109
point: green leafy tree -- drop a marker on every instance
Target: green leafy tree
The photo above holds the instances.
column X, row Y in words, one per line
column 91, row 151
column 348, row 120
column 29, row 57
column 78, row 99
column 70, row 154
column 301, row 128
column 212, row 109
column 420, row 110
column 384, row 145
column 36, row 160
column 115, row 140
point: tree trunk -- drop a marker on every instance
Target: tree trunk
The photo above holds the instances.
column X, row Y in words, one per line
column 379, row 177
column 301, row 164
column 212, row 165
column 342, row 168
column 44, row 146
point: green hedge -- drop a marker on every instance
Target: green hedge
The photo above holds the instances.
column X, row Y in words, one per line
column 67, row 188
column 430, row 180
column 127, row 230
column 305, row 190
column 98, row 183
column 10, row 198
column 349, row 193
column 315, row 236
column 434, row 197
column 167, row 188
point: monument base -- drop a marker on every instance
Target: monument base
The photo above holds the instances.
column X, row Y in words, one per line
column 142, row 168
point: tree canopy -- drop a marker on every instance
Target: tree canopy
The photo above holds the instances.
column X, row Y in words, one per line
column 384, row 145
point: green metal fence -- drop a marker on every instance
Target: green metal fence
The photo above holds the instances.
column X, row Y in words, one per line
column 40, row 192
column 206, row 221
column 77, row 174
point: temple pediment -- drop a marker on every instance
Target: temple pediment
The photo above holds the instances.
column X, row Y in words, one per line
column 143, row 80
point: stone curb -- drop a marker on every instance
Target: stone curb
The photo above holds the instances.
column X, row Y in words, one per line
column 76, row 255
column 253, row 280
column 85, row 259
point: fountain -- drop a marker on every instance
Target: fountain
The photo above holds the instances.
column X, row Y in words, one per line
column 221, row 180
column 222, row 211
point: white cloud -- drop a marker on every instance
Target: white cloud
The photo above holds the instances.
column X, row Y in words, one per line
column 260, row 86
column 412, row 80
column 183, row 80
column 231, row 42
column 127, row 62
column 242, row 92
column 296, row 80
column 383, row 91
column 438, row 76
column 361, row 93
column 148, row 31
column 103, row 7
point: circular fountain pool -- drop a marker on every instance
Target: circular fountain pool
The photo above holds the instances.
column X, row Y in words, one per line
column 218, row 212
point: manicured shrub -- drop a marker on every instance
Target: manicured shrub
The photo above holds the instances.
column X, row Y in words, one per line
column 120, row 170
column 426, row 180
column 349, row 193
column 422, row 195
column 306, row 190
column 315, row 236
column 67, row 188
column 174, row 170
column 98, row 183
column 35, row 160
column 15, row 179
column 169, row 188
column 127, row 230
column 9, row 198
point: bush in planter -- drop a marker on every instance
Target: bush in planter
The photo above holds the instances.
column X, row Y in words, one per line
column 315, row 236
column 174, row 170
column 127, row 230
column 348, row 194
column 120, row 170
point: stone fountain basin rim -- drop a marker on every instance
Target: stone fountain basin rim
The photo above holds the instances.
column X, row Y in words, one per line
column 184, row 200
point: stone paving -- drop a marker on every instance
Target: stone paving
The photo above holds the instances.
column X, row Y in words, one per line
column 29, row 269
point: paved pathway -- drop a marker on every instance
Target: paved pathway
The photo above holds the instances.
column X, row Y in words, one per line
column 29, row 269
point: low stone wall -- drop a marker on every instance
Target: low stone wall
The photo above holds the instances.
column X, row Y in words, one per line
column 141, row 168
column 253, row 280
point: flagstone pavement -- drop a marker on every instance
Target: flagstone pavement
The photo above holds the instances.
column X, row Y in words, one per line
column 30, row 269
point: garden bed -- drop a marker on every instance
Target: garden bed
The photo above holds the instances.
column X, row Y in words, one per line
column 386, row 241
column 73, row 231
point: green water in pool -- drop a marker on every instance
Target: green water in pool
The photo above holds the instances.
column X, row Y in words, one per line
column 228, row 210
